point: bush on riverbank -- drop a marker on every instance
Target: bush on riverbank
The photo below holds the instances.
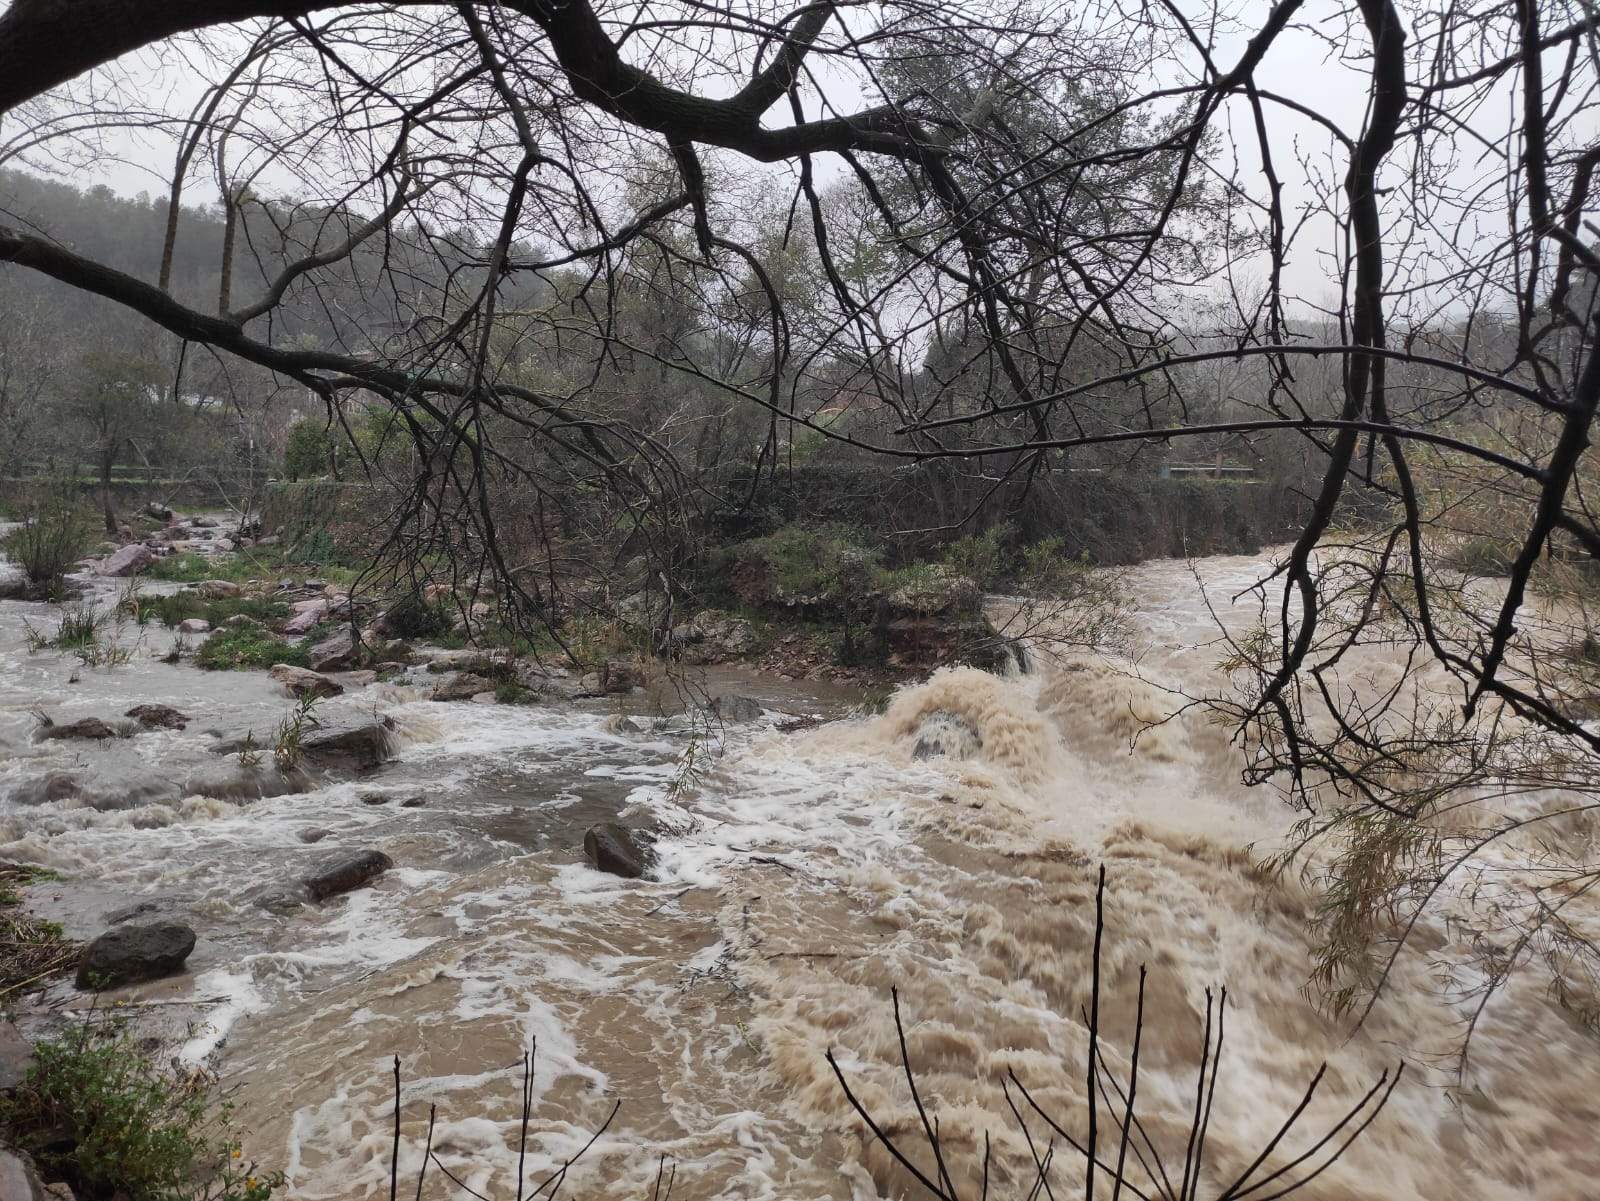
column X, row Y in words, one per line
column 248, row 646
column 97, row 1112
column 56, row 532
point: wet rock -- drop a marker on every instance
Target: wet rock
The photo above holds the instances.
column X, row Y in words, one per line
column 360, row 679
column 239, row 782
column 44, row 790
column 414, row 802
column 129, row 953
column 194, row 625
column 203, row 523
column 712, row 637
column 461, row 686
column 359, row 744
column 158, row 510
column 16, row 1056
column 374, row 798
column 306, row 616
column 618, row 724
column 316, row 834
column 115, row 917
column 158, row 717
column 614, row 848
column 345, row 874
column 84, row 727
column 334, row 652
column 129, row 560
column 730, row 708
column 218, row 589
column 614, row 676
column 942, row 733
column 302, row 682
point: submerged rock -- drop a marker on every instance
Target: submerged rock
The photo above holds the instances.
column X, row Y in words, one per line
column 84, row 727
column 303, row 682
column 158, row 717
column 345, row 874
column 943, row 733
column 126, row 954
column 731, row 708
column 617, row 849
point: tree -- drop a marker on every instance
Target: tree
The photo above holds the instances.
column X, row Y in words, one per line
column 309, row 450
column 114, row 399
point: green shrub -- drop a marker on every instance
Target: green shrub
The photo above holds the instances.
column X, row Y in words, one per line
column 308, row 452
column 980, row 557
column 181, row 606
column 413, row 617
column 237, row 647
column 96, row 1111
column 812, row 564
column 1480, row 557
column 56, row 532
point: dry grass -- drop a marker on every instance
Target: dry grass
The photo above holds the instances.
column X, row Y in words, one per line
column 32, row 951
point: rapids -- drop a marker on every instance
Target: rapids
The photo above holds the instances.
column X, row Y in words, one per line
column 802, row 876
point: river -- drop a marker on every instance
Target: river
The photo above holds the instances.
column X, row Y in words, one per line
column 802, row 875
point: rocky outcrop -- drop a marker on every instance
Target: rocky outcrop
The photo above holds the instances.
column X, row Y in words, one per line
column 301, row 682
column 731, row 709
column 615, row 848
column 359, row 744
column 130, row 560
column 158, row 717
column 350, row 872
column 712, row 637
column 126, row 954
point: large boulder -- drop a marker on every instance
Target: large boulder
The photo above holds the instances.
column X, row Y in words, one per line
column 342, row 875
column 158, row 717
column 126, row 954
column 730, row 708
column 614, row 848
column 359, row 744
column 129, row 560
column 306, row 616
column 461, row 686
column 302, row 682
column 338, row 650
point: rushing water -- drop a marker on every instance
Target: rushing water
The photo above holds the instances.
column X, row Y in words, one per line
column 802, row 876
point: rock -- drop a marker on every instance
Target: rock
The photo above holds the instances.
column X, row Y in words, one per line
column 203, row 523
column 47, row 789
column 13, row 582
column 126, row 954
column 363, row 744
column 614, row 676
column 345, row 874
column 414, row 802
column 316, row 834
column 194, row 625
column 130, row 560
column 158, row 510
column 268, row 540
column 360, row 679
column 306, row 615
column 19, row 1181
column 374, row 798
column 317, row 585
column 730, row 708
column 712, row 637
column 336, row 651
column 461, row 686
column 618, row 724
column 158, row 717
column 84, row 727
column 226, row 544
column 943, row 733
column 618, row 850
column 302, row 682
column 16, row 1056
column 240, row 620
column 218, row 589
column 114, row 917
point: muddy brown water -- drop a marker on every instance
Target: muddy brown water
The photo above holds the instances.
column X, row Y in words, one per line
column 802, row 876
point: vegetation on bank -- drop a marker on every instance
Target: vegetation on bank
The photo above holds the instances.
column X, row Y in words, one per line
column 96, row 1111
column 248, row 646
column 55, row 533
column 32, row 950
